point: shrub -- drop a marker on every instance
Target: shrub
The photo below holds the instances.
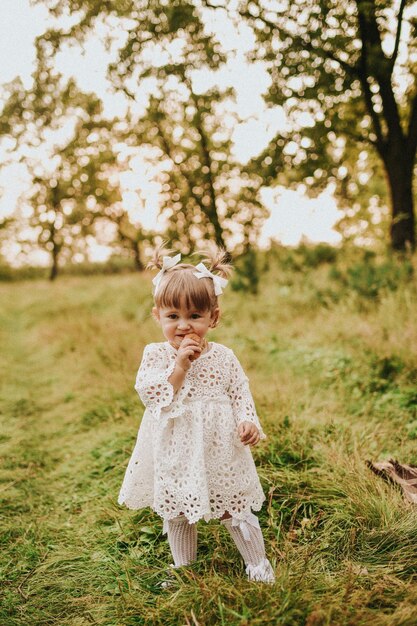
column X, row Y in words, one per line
column 26, row 272
column 368, row 279
column 302, row 257
column 313, row 256
column 247, row 273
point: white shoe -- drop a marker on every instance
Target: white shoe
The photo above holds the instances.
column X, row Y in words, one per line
column 262, row 572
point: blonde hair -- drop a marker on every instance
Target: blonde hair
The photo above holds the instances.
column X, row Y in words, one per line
column 179, row 283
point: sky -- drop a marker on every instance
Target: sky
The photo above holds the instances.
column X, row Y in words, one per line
column 292, row 216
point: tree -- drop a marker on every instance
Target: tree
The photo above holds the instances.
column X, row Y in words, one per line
column 68, row 200
column 75, row 182
column 205, row 194
column 6, row 225
column 130, row 237
column 345, row 72
column 75, row 179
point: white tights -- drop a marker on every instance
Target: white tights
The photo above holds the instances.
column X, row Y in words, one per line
column 246, row 533
column 182, row 538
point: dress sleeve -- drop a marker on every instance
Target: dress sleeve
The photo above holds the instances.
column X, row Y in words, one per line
column 153, row 386
column 243, row 405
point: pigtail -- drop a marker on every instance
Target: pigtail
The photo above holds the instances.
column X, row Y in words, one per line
column 156, row 260
column 217, row 259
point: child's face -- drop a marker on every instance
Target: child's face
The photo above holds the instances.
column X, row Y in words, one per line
column 179, row 322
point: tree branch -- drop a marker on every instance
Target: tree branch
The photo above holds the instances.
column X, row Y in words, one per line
column 398, row 35
column 184, row 174
column 208, row 162
column 305, row 42
column 378, row 66
column 360, row 138
column 373, row 114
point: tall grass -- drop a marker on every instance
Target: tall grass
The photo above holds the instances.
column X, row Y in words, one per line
column 333, row 373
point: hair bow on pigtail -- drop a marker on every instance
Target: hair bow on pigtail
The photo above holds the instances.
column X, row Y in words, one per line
column 167, row 263
column 219, row 282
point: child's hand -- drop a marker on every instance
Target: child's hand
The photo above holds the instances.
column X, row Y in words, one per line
column 187, row 349
column 248, row 433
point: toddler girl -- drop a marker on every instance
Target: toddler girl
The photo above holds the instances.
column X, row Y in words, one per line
column 192, row 458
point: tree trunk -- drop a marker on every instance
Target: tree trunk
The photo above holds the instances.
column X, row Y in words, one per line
column 138, row 261
column 400, row 178
column 54, row 267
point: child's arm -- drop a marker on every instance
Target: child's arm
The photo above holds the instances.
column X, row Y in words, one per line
column 152, row 383
column 177, row 377
column 157, row 381
column 186, row 350
column 244, row 410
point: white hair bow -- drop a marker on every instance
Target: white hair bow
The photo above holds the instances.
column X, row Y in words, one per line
column 219, row 282
column 250, row 520
column 167, row 263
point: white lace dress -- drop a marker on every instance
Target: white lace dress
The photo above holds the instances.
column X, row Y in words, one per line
column 188, row 457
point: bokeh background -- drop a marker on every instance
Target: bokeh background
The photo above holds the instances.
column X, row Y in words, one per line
column 243, row 123
column 285, row 132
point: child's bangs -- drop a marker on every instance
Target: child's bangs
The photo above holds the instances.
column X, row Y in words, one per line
column 182, row 287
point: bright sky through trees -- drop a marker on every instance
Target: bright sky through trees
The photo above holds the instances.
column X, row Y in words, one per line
column 292, row 216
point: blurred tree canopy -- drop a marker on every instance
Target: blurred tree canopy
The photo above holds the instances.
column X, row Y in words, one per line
column 75, row 186
column 69, row 199
column 345, row 72
column 75, row 182
column 205, row 193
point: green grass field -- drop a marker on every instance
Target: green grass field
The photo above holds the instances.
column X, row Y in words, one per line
column 334, row 376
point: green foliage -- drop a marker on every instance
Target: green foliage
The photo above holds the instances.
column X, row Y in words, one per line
column 313, row 256
column 349, row 124
column 247, row 272
column 204, row 189
column 114, row 265
column 67, row 204
column 369, row 278
column 26, row 272
column 69, row 196
column 343, row 108
column 343, row 111
column 304, row 256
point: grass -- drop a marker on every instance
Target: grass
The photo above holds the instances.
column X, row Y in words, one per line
column 333, row 374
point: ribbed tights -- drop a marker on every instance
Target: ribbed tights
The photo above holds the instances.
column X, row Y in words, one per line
column 252, row 549
column 247, row 535
column 182, row 538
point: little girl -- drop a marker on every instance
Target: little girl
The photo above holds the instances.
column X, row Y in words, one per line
column 192, row 458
